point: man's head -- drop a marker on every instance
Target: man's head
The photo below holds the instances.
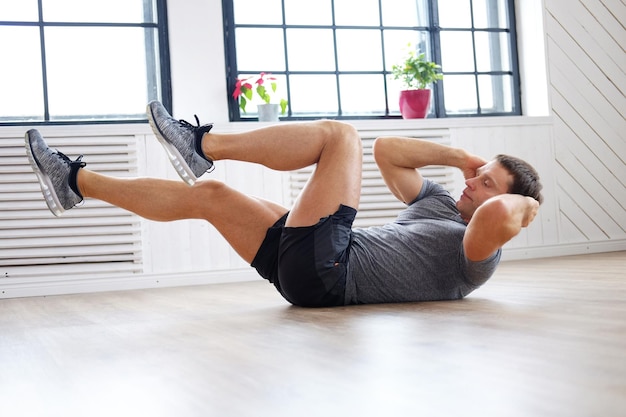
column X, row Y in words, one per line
column 525, row 177
column 503, row 174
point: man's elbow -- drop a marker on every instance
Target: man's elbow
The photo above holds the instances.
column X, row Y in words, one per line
column 503, row 216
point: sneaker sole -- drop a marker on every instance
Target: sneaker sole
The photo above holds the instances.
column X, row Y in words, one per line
column 178, row 162
column 47, row 188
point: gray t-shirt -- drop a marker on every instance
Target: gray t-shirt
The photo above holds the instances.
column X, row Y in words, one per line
column 418, row 257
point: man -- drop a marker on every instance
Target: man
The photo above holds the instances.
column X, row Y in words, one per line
column 436, row 249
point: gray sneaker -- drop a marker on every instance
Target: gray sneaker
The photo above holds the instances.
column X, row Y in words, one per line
column 56, row 173
column 182, row 142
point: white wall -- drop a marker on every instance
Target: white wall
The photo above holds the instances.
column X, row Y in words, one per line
column 197, row 59
column 587, row 85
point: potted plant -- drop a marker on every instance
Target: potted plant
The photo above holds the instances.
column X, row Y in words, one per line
column 265, row 86
column 417, row 74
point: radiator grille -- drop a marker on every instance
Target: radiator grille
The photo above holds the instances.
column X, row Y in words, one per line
column 97, row 239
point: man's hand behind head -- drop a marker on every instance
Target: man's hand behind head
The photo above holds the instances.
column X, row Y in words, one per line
column 472, row 163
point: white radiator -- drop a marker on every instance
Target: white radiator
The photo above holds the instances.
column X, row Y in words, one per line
column 95, row 240
column 378, row 206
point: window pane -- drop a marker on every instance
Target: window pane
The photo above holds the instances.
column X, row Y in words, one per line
column 362, row 94
column 397, row 41
column 250, row 57
column 275, row 97
column 405, row 12
column 457, row 52
column 490, row 14
column 455, row 14
column 496, row 93
column 492, row 51
column 359, row 50
column 22, row 10
column 337, row 53
column 460, row 94
column 298, row 12
column 313, row 95
column 393, row 95
column 347, row 13
column 268, row 12
column 21, row 83
column 103, row 73
column 112, row 11
column 302, row 44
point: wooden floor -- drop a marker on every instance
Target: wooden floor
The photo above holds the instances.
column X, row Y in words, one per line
column 542, row 338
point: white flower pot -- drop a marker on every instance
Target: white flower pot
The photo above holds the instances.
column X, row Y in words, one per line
column 268, row 112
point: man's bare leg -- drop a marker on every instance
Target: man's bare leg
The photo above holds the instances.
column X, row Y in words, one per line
column 242, row 220
column 334, row 147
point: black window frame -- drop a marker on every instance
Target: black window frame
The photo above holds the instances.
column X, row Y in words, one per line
column 434, row 29
column 163, row 64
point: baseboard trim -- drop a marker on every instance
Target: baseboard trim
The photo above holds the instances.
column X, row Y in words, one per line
column 54, row 285
column 562, row 249
column 77, row 285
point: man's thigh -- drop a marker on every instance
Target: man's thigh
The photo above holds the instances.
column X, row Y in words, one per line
column 312, row 260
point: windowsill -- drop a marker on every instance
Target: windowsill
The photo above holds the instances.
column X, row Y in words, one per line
column 226, row 127
column 415, row 124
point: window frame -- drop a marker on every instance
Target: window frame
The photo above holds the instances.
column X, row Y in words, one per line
column 434, row 30
column 163, row 64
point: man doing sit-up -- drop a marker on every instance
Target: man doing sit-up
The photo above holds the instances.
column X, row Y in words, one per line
column 436, row 249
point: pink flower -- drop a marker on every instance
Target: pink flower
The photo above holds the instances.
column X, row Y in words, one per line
column 243, row 91
column 241, row 85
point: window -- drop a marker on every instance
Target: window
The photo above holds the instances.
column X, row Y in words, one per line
column 333, row 58
column 81, row 61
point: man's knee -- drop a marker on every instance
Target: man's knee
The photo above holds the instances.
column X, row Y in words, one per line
column 208, row 190
column 342, row 134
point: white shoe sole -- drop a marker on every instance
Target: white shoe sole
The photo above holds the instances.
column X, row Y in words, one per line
column 47, row 188
column 177, row 160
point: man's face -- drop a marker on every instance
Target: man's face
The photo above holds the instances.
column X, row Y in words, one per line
column 492, row 179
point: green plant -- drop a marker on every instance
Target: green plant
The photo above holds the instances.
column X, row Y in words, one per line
column 244, row 90
column 416, row 72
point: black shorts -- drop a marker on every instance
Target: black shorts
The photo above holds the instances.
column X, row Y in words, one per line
column 307, row 265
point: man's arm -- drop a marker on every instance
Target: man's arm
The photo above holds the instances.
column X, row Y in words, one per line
column 495, row 222
column 399, row 157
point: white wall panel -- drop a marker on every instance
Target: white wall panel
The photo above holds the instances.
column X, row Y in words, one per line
column 587, row 73
column 531, row 140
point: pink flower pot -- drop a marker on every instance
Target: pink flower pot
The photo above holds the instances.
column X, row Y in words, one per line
column 414, row 103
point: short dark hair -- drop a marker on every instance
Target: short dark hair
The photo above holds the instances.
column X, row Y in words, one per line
column 525, row 177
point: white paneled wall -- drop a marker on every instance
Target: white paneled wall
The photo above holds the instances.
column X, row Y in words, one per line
column 587, row 73
column 532, row 142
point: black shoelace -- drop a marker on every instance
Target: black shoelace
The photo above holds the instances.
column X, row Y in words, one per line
column 198, row 130
column 74, row 167
column 75, row 163
column 186, row 124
